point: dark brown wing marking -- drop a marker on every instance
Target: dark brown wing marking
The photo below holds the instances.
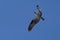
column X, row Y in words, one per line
column 33, row 22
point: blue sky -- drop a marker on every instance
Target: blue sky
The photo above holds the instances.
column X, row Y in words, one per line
column 16, row 15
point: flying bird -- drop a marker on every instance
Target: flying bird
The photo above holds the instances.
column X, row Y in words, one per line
column 37, row 19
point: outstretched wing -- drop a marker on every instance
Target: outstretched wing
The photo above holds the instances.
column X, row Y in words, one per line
column 33, row 22
column 31, row 25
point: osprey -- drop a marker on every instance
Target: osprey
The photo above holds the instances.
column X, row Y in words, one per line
column 36, row 20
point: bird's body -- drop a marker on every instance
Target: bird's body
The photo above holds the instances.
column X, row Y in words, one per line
column 36, row 20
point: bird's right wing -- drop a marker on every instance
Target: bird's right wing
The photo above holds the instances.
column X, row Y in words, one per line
column 33, row 22
column 31, row 25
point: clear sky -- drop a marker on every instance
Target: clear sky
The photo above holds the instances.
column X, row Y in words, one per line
column 16, row 15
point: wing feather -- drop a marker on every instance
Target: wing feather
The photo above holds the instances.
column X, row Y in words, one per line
column 33, row 22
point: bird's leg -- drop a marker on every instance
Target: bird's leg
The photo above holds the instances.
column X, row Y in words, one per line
column 42, row 18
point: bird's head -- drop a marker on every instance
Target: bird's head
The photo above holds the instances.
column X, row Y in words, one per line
column 37, row 5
